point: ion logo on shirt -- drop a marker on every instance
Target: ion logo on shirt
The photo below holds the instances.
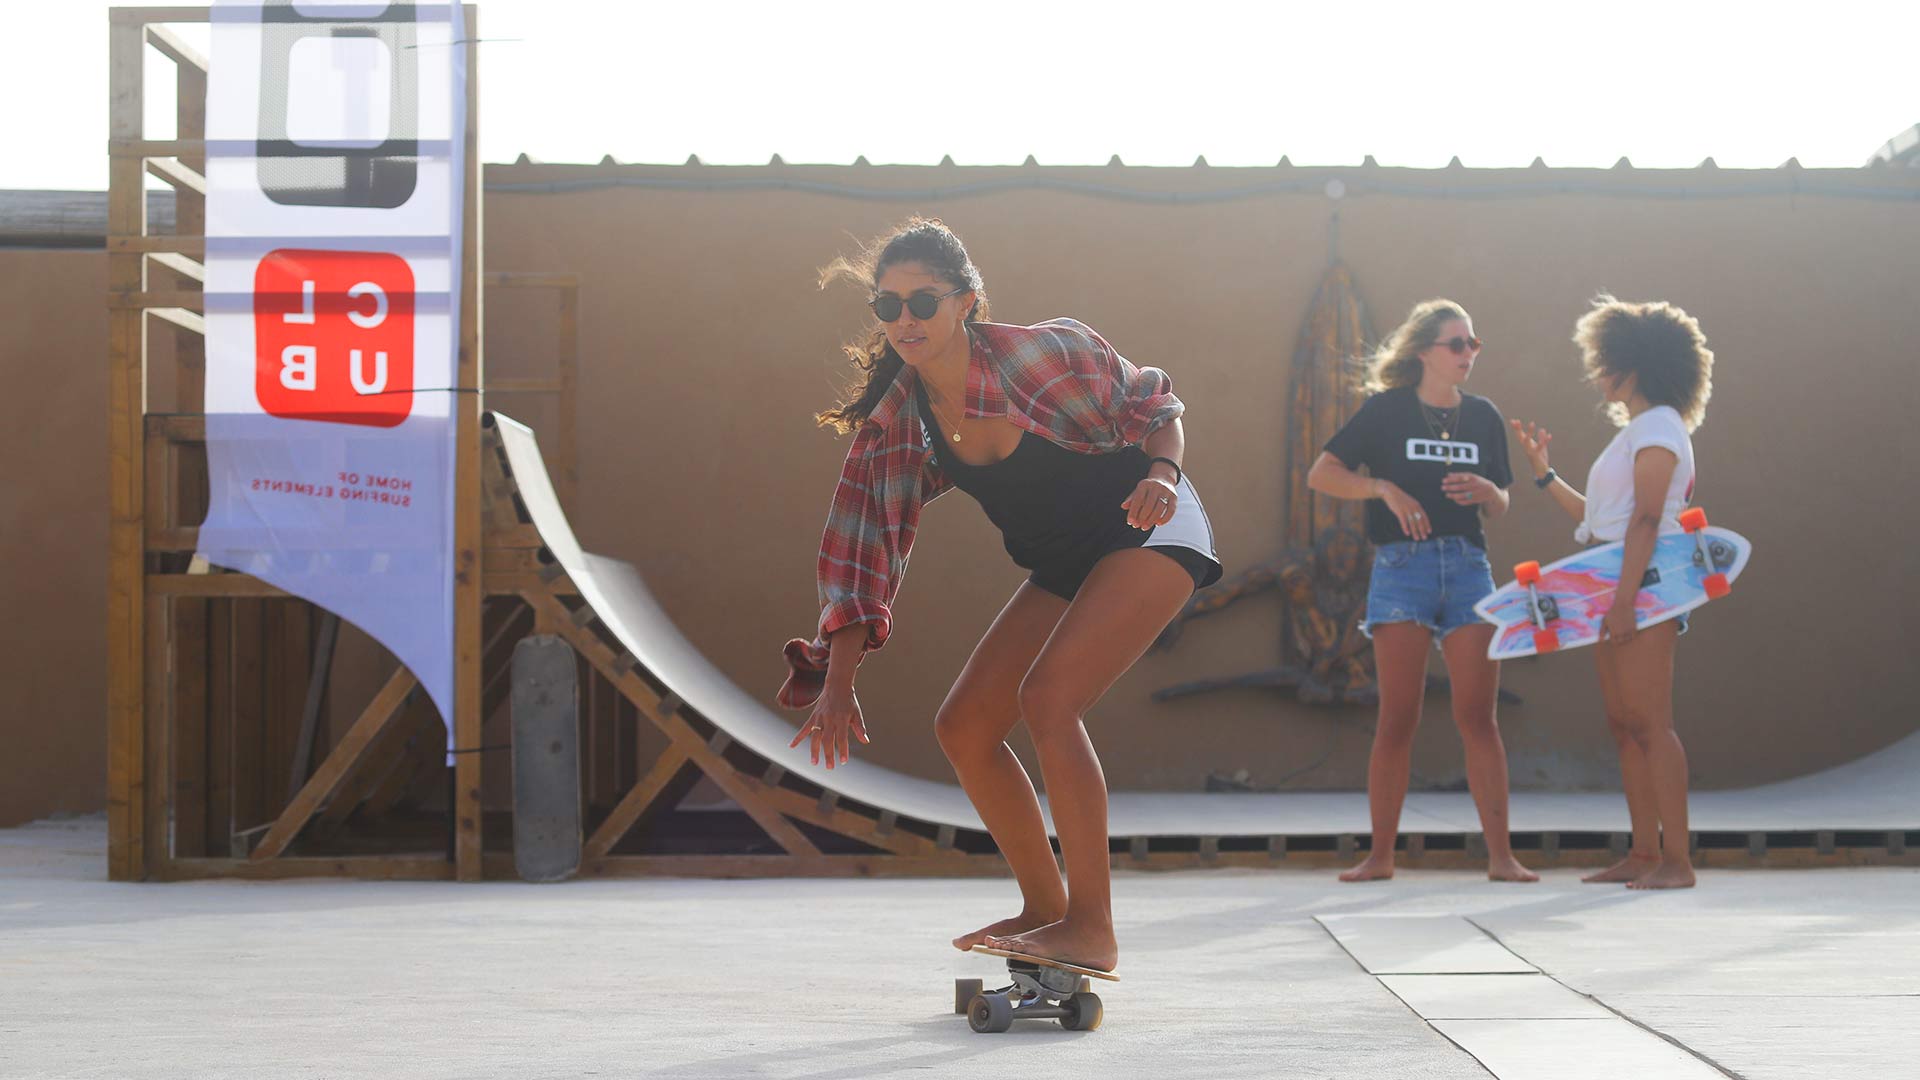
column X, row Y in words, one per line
column 1449, row 453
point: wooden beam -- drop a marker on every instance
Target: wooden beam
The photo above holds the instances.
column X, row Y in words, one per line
column 359, row 867
column 191, row 299
column 749, row 793
column 141, row 244
column 174, row 48
column 317, row 677
column 211, row 585
column 635, row 803
column 137, row 149
column 191, row 269
column 180, row 317
column 144, row 16
column 180, row 176
column 126, row 406
column 469, row 578
column 379, row 713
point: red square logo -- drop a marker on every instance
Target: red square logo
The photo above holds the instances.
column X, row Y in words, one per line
column 333, row 336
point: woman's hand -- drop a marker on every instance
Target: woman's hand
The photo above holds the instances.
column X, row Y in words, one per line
column 1470, row 489
column 835, row 721
column 1618, row 627
column 1152, row 503
column 1413, row 520
column 1534, row 440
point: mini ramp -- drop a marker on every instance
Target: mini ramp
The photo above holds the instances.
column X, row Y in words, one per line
column 1864, row 811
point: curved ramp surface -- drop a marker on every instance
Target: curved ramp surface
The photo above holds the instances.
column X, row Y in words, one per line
column 1874, row 793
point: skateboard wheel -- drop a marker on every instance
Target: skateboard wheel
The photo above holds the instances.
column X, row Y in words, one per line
column 964, row 991
column 1083, row 1012
column 1718, row 586
column 990, row 1013
column 1693, row 519
column 1527, row 573
column 1545, row 641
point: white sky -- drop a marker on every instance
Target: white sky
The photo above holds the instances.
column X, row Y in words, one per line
column 1071, row 82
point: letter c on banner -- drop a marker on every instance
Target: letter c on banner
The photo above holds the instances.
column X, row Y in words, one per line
column 365, row 321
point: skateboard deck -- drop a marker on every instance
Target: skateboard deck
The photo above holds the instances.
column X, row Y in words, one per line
column 1561, row 605
column 1042, row 989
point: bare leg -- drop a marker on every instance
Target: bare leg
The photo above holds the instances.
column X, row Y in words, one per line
column 1646, row 685
column 1635, row 779
column 1476, row 691
column 972, row 726
column 1400, row 653
column 1122, row 607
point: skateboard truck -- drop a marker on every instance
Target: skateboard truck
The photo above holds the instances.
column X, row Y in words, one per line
column 1038, row 993
column 1542, row 610
column 1694, row 521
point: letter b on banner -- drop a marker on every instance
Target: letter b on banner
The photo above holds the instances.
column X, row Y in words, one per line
column 333, row 336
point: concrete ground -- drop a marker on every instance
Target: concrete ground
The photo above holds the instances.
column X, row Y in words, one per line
column 1759, row 974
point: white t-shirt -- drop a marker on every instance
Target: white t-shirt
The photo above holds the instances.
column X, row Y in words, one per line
column 1610, row 482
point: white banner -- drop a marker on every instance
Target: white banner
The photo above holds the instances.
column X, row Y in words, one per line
column 335, row 157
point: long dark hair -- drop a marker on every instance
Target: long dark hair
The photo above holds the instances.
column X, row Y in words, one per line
column 926, row 241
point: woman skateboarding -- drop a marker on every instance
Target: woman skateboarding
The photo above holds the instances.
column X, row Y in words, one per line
column 1075, row 455
column 1436, row 464
column 1652, row 366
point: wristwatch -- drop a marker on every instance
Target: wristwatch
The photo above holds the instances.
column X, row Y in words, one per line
column 1546, row 480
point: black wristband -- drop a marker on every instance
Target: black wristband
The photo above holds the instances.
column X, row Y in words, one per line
column 1178, row 475
column 1546, row 481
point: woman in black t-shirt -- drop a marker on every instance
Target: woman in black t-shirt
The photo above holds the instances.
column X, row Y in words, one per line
column 1436, row 463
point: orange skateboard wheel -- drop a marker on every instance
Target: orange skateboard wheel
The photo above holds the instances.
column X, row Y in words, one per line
column 1545, row 641
column 1693, row 519
column 1718, row 586
column 1527, row 573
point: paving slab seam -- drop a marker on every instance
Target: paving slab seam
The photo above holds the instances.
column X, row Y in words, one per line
column 1655, row 1032
column 1450, row 964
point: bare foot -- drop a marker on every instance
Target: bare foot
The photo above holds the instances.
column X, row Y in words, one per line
column 1627, row 869
column 1667, row 875
column 1019, row 924
column 1509, row 869
column 1079, row 943
column 1374, row 868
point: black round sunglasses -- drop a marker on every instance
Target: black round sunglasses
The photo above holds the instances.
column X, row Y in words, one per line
column 887, row 306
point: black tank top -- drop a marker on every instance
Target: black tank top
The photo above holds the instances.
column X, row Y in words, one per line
column 1052, row 505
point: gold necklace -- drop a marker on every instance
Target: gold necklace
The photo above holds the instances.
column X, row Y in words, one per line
column 952, row 429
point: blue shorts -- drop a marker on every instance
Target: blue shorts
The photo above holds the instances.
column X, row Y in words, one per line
column 1431, row 582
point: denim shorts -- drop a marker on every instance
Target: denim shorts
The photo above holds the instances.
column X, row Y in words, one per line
column 1431, row 582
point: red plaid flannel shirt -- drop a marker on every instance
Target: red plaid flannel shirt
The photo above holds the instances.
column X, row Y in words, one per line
column 1059, row 380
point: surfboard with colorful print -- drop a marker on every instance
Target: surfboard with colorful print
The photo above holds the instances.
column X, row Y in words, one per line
column 1561, row 606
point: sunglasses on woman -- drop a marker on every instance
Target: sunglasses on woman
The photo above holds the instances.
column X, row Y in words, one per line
column 1457, row 345
column 887, row 306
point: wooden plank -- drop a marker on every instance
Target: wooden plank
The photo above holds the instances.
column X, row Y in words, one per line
column 191, row 269
column 143, row 16
column 425, row 744
column 211, row 585
column 749, row 793
column 126, row 354
column 514, row 536
column 219, row 832
column 157, row 643
column 141, row 244
column 174, row 48
column 249, row 702
column 182, row 178
column 190, row 728
column 138, row 149
column 379, row 713
column 468, row 577
column 635, row 803
column 177, row 428
column 190, row 299
column 952, row 864
column 181, row 317
column 358, row 867
column 325, row 638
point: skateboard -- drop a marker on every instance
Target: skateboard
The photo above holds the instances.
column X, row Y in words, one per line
column 1042, row 989
column 1561, row 606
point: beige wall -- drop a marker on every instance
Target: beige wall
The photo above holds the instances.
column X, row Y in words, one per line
column 705, row 347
